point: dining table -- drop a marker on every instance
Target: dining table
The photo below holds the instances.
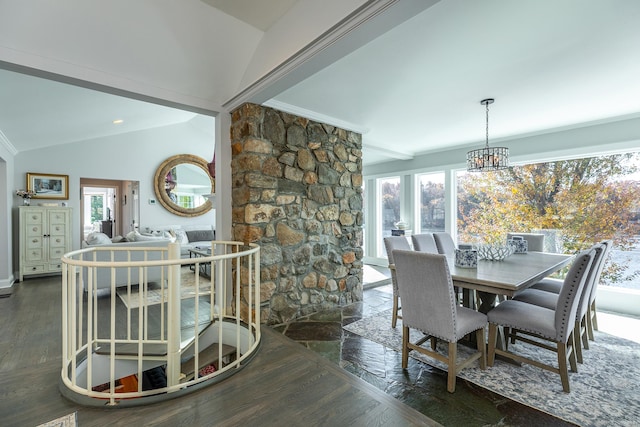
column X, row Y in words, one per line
column 508, row 276
column 493, row 280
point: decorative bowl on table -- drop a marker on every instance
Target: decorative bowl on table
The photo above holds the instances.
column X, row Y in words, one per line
column 495, row 252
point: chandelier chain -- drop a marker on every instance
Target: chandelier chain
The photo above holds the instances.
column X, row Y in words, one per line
column 487, row 126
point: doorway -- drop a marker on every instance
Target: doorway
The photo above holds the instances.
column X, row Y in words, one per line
column 108, row 206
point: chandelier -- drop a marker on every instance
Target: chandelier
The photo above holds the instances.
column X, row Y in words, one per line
column 487, row 159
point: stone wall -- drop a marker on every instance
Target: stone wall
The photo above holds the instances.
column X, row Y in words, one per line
column 297, row 192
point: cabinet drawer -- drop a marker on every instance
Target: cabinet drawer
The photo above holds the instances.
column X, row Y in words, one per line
column 33, row 217
column 33, row 255
column 34, row 230
column 57, row 230
column 57, row 241
column 35, row 268
column 55, row 266
column 58, row 218
column 34, row 242
column 56, row 253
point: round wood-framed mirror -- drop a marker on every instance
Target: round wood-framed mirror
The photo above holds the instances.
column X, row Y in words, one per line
column 182, row 183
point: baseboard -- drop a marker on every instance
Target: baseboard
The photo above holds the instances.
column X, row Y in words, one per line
column 6, row 287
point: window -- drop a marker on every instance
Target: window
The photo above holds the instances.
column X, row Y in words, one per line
column 575, row 203
column 389, row 214
column 430, row 202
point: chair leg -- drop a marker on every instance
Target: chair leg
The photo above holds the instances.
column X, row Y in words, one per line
column 405, row 348
column 482, row 348
column 595, row 316
column 493, row 335
column 562, row 365
column 451, row 368
column 434, row 343
column 570, row 348
column 577, row 347
column 584, row 332
column 394, row 314
column 589, row 325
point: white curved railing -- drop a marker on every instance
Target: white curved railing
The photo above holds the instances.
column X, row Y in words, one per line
column 109, row 347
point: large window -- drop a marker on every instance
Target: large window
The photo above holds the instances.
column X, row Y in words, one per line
column 430, row 202
column 575, row 203
column 389, row 214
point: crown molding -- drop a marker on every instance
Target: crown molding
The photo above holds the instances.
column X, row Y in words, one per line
column 7, row 144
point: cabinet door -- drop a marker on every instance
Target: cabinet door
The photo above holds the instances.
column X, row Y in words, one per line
column 34, row 228
column 58, row 233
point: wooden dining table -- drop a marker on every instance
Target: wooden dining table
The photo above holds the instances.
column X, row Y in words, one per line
column 506, row 277
column 503, row 278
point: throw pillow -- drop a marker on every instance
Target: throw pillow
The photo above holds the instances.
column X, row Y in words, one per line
column 144, row 237
column 200, row 235
column 98, row 239
column 181, row 236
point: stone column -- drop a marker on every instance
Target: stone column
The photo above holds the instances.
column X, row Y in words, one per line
column 297, row 192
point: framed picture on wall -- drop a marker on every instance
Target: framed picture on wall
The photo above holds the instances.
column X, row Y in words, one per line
column 48, row 186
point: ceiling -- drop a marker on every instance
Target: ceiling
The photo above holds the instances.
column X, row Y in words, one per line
column 414, row 89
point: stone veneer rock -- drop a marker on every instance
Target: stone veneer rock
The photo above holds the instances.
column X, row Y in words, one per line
column 297, row 192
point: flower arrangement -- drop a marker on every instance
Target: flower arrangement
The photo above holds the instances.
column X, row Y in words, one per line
column 25, row 194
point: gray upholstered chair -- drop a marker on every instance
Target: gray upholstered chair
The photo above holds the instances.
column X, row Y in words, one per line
column 552, row 329
column 424, row 243
column 545, row 294
column 429, row 305
column 390, row 244
column 444, row 243
column 535, row 242
column 550, row 300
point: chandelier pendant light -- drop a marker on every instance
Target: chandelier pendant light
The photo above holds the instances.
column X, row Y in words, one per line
column 487, row 159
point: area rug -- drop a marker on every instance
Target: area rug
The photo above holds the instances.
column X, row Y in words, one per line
column 605, row 391
column 66, row 421
column 154, row 294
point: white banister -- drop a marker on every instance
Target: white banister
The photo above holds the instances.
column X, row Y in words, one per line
column 109, row 347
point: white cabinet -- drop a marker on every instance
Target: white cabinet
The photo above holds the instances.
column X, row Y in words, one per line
column 45, row 235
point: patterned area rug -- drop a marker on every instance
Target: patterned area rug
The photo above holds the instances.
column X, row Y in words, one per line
column 605, row 391
column 66, row 421
column 155, row 295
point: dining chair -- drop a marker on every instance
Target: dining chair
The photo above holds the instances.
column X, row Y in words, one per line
column 555, row 285
column 424, row 243
column 550, row 300
column 444, row 243
column 543, row 327
column 429, row 306
column 535, row 242
column 392, row 243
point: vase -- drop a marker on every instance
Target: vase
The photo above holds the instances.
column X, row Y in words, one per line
column 26, row 201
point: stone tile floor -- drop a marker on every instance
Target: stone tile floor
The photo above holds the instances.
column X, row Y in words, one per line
column 420, row 386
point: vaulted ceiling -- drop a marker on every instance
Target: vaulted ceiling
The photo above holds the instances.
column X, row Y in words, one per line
column 410, row 89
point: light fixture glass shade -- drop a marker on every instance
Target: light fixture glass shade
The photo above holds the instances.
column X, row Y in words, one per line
column 488, row 159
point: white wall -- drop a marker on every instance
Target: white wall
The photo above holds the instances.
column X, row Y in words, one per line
column 6, row 195
column 134, row 156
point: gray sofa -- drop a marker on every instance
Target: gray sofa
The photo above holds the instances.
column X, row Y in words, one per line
column 189, row 236
column 103, row 274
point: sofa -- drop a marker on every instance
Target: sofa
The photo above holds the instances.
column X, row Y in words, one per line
column 189, row 236
column 103, row 274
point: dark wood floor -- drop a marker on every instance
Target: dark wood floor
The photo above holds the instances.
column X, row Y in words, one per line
column 286, row 384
